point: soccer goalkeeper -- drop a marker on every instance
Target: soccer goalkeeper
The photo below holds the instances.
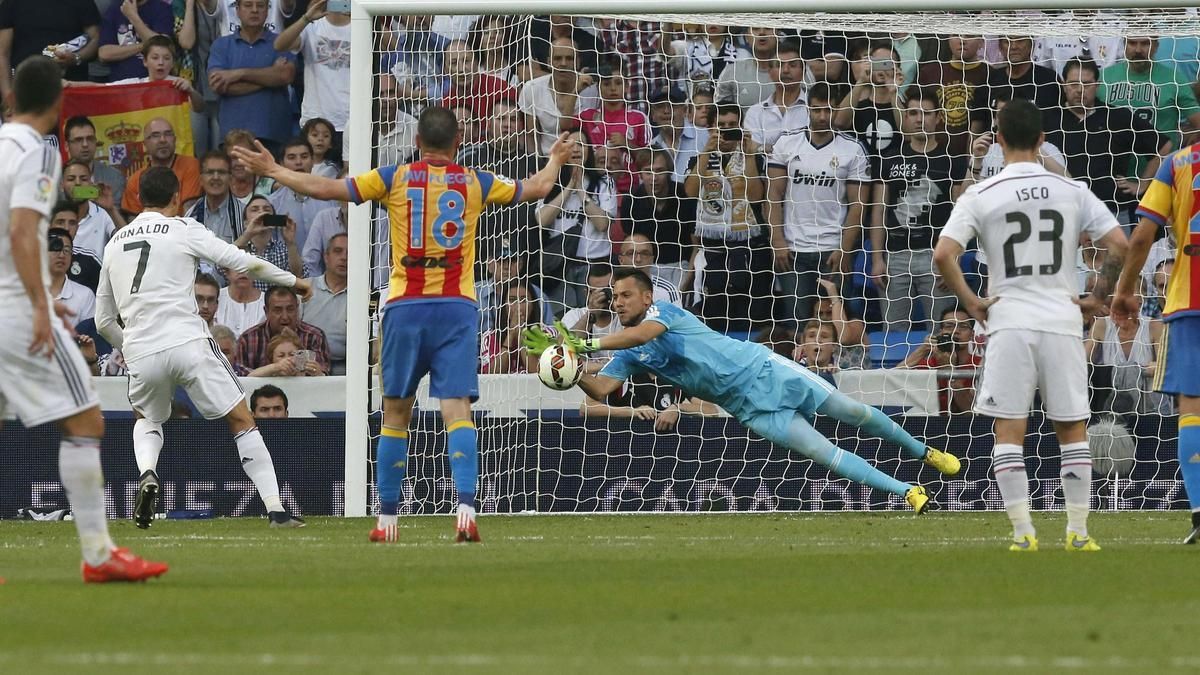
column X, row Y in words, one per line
column 764, row 391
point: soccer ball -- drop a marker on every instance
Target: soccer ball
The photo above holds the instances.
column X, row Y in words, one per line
column 559, row 368
column 1113, row 448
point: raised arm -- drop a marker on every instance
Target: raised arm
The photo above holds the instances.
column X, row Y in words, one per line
column 204, row 244
column 289, row 39
column 538, row 185
column 262, row 163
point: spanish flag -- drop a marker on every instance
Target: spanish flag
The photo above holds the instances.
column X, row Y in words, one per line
column 120, row 112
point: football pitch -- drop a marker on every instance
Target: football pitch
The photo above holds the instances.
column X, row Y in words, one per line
column 699, row 593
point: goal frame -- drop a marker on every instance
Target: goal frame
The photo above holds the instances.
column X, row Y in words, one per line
column 358, row 336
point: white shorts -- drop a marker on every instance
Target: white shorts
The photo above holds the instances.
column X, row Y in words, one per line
column 1018, row 362
column 40, row 389
column 197, row 366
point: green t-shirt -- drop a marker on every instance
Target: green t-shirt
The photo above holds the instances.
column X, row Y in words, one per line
column 1158, row 96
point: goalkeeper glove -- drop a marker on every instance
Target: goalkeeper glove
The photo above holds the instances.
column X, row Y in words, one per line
column 536, row 340
column 577, row 344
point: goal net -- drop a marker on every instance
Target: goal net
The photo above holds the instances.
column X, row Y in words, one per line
column 784, row 177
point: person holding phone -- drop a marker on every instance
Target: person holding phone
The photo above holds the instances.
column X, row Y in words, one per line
column 269, row 236
column 97, row 214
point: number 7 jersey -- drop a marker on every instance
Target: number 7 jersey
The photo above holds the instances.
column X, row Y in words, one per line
column 434, row 208
column 1028, row 222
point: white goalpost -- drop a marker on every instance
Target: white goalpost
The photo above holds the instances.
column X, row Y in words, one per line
column 537, row 454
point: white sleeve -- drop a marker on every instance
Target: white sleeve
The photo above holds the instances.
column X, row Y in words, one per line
column 36, row 181
column 1051, row 151
column 202, row 243
column 87, row 309
column 859, row 167
column 106, row 312
column 1095, row 217
column 753, row 124
column 779, row 156
column 962, row 226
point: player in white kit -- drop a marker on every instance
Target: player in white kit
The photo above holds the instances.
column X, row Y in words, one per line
column 1028, row 222
column 43, row 377
column 145, row 306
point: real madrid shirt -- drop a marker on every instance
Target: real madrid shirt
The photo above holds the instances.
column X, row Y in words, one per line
column 29, row 174
column 816, row 196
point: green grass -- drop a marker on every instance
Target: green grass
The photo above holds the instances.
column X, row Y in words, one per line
column 784, row 593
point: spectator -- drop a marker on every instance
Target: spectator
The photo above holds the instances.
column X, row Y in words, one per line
column 80, row 136
column 494, row 38
column 872, row 109
column 158, row 60
column 274, row 243
column 250, row 78
column 68, row 31
column 330, row 222
column 269, row 402
column 503, row 351
column 279, row 13
column 79, row 300
column 1053, row 52
column 282, row 310
column 242, row 183
column 218, row 209
column 504, row 151
column 227, row 343
column 470, row 88
column 851, row 330
column 505, row 269
column 1154, row 90
column 704, row 53
column 726, row 179
column 818, row 182
column 416, row 62
column 818, row 349
column 326, row 309
column 159, row 141
column 786, row 109
column 616, row 125
column 961, row 86
column 950, row 347
column 552, row 103
column 1017, row 76
column 750, row 79
column 322, row 39
column 287, row 358
column 987, row 159
column 395, row 129
column 97, row 215
column 1129, row 356
column 576, row 215
column 643, row 397
column 240, row 303
column 126, row 25
column 638, row 251
column 85, row 265
column 297, row 156
column 917, row 181
column 1101, row 143
column 674, row 131
column 323, row 138
column 545, row 30
column 661, row 211
column 596, row 318
column 824, row 54
column 208, row 297
column 639, row 46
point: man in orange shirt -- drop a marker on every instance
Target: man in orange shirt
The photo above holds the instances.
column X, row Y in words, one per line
column 159, row 141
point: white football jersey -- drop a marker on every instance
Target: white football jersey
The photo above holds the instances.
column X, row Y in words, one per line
column 993, row 162
column 1028, row 222
column 815, row 205
column 29, row 174
column 147, row 281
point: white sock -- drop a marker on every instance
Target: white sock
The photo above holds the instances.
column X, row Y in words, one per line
column 465, row 515
column 1008, row 464
column 256, row 462
column 79, row 468
column 147, row 443
column 1076, row 474
column 386, row 521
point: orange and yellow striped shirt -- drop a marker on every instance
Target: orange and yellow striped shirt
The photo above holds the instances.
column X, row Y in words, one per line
column 433, row 207
column 1173, row 201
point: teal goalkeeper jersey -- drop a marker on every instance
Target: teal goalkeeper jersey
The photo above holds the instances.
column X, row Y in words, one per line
column 744, row 378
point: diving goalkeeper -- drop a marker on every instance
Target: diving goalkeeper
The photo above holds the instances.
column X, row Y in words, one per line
column 767, row 393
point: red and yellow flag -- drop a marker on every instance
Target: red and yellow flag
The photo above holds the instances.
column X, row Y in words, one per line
column 120, row 112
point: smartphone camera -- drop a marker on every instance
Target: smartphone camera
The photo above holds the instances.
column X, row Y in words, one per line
column 274, row 220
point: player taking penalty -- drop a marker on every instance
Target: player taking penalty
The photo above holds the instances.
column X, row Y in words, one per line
column 774, row 397
column 1167, row 209
column 1029, row 221
column 431, row 318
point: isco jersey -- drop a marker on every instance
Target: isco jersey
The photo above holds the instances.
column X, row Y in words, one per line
column 1028, row 222
column 29, row 175
column 1173, row 201
column 816, row 195
column 434, row 208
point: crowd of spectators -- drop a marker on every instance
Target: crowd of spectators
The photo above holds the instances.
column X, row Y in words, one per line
column 784, row 185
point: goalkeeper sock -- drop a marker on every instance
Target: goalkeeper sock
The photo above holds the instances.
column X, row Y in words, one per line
column 464, row 459
column 79, row 468
column 256, row 462
column 391, row 461
column 1076, row 473
column 804, row 439
column 1008, row 463
column 871, row 420
column 1189, row 457
column 147, row 444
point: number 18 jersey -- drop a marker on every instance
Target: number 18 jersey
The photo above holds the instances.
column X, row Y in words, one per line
column 1028, row 222
column 434, row 209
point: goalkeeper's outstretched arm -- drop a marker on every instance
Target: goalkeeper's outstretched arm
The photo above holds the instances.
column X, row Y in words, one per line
column 598, row 386
column 622, row 339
